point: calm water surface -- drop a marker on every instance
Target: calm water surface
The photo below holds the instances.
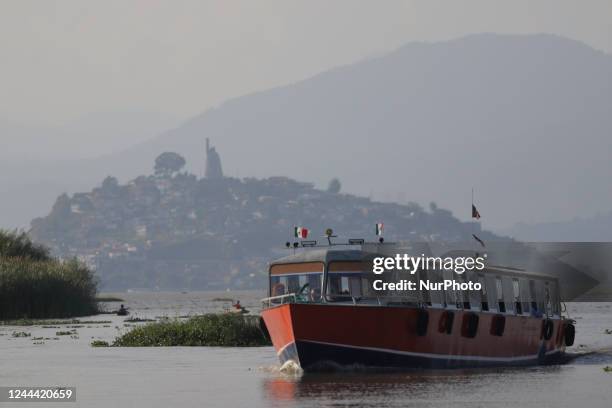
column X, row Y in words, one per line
column 250, row 377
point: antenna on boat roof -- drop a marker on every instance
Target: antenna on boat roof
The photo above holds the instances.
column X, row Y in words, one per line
column 329, row 234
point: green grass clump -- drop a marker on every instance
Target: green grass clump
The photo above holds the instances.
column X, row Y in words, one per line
column 99, row 343
column 21, row 334
column 64, row 333
column 35, row 285
column 607, row 369
column 227, row 330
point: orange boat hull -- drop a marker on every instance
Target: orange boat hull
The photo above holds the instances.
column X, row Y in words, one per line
column 315, row 335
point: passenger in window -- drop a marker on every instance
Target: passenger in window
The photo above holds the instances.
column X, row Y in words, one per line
column 278, row 289
column 315, row 294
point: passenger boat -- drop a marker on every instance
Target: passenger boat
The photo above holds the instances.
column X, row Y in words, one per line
column 322, row 311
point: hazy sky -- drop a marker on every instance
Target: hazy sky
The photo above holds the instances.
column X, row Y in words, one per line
column 63, row 59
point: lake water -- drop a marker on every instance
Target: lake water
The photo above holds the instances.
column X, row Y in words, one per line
column 250, row 377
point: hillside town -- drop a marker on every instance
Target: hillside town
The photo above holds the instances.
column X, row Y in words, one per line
column 173, row 230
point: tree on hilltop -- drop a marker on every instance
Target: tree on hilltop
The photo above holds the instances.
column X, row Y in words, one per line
column 168, row 163
column 334, row 186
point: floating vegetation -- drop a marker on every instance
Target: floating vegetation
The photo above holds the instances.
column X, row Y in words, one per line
column 37, row 338
column 21, row 334
column 138, row 320
column 99, row 343
column 38, row 342
column 607, row 369
column 608, row 331
column 228, row 330
column 108, row 299
column 64, row 333
column 35, row 285
column 222, row 299
column 50, row 324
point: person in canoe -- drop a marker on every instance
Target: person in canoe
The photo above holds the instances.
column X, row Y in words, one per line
column 238, row 308
column 122, row 311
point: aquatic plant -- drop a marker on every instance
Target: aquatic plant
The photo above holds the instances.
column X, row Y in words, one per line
column 21, row 334
column 108, row 299
column 227, row 330
column 99, row 343
column 607, row 369
column 35, row 285
column 138, row 320
column 48, row 323
column 64, row 333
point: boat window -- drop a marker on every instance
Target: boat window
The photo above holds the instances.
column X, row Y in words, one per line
column 354, row 281
column 525, row 296
column 347, row 284
column 553, row 298
column 305, row 280
column 450, row 294
column 509, row 298
column 347, row 280
column 463, row 296
column 483, row 293
column 436, row 296
column 500, row 295
column 516, row 293
column 533, row 299
column 425, row 294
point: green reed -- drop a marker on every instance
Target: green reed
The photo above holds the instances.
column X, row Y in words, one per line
column 227, row 330
column 31, row 288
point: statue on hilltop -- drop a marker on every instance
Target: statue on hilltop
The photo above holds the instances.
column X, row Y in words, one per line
column 213, row 163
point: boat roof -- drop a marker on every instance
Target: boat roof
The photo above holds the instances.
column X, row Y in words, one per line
column 330, row 254
column 324, row 255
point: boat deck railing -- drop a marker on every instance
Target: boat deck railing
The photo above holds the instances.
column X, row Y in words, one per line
column 340, row 299
column 279, row 300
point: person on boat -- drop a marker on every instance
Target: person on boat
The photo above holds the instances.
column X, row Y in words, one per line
column 237, row 305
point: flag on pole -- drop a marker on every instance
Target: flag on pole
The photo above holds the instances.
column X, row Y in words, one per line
column 379, row 228
column 475, row 213
column 300, row 232
column 479, row 240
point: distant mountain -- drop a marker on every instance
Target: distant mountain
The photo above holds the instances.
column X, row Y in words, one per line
column 525, row 120
column 590, row 229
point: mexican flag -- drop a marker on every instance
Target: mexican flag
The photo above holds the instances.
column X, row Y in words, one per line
column 300, row 232
column 379, row 228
